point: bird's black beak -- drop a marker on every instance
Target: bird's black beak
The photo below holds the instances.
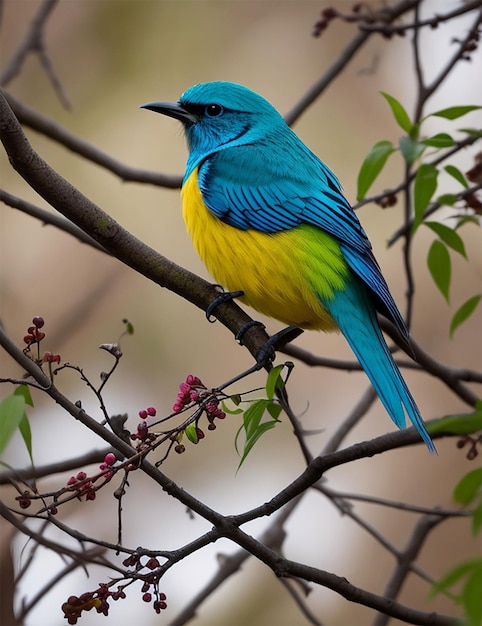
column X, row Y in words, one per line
column 172, row 109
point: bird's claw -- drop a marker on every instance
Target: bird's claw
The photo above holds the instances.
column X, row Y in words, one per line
column 224, row 296
column 243, row 330
column 267, row 352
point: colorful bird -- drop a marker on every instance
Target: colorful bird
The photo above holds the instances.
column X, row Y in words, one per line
column 269, row 218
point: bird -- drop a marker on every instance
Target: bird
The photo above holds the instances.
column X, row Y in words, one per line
column 269, row 219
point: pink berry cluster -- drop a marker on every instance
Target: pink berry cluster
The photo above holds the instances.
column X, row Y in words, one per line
column 150, row 587
column 472, row 452
column 24, row 500
column 142, row 435
column 189, row 392
column 193, row 390
column 89, row 600
column 35, row 336
column 386, row 201
column 326, row 16
column 85, row 486
column 149, row 412
column 213, row 411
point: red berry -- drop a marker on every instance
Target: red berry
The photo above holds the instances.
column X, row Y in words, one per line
column 328, row 13
column 38, row 321
column 109, row 459
column 151, row 411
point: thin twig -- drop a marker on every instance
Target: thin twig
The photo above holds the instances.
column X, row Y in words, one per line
column 44, row 125
column 394, row 504
column 342, row 61
column 30, row 42
column 405, row 560
column 47, row 217
column 60, row 576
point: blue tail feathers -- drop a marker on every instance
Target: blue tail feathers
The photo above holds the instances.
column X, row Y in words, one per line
column 354, row 312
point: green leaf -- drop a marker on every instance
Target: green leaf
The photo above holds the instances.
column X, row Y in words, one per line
column 410, row 148
column 453, row 576
column 129, row 327
column 13, row 416
column 448, row 236
column 251, row 419
column 469, row 487
column 452, row 113
column 440, row 140
column 440, row 267
column 253, row 416
column 466, row 219
column 274, row 410
column 24, row 428
column 457, row 174
column 447, row 199
column 274, row 381
column 23, row 391
column 401, row 116
column 262, row 428
column 471, row 597
column 227, row 409
column 191, row 432
column 372, row 166
column 253, row 427
column 423, row 190
column 12, row 412
column 477, row 519
column 463, row 313
column 475, row 132
column 463, row 424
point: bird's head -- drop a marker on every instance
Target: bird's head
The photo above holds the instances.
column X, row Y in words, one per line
column 220, row 115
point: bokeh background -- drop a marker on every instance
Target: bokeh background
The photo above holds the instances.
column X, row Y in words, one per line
column 111, row 56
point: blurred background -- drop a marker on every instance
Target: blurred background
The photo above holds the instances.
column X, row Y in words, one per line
column 111, row 56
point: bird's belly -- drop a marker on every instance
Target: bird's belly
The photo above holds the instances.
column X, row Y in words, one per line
column 285, row 275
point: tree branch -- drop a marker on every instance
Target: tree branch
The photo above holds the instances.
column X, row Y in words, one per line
column 31, row 42
column 76, row 207
column 47, row 217
column 41, row 124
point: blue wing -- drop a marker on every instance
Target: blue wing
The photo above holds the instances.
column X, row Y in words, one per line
column 282, row 187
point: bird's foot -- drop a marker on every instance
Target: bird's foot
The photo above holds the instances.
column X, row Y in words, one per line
column 267, row 352
column 244, row 329
column 224, row 296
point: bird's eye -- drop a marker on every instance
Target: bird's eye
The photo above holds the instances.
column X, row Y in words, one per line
column 214, row 110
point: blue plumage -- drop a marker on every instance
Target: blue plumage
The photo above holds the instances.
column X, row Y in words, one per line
column 256, row 176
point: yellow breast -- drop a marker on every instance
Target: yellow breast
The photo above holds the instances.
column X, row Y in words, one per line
column 283, row 275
